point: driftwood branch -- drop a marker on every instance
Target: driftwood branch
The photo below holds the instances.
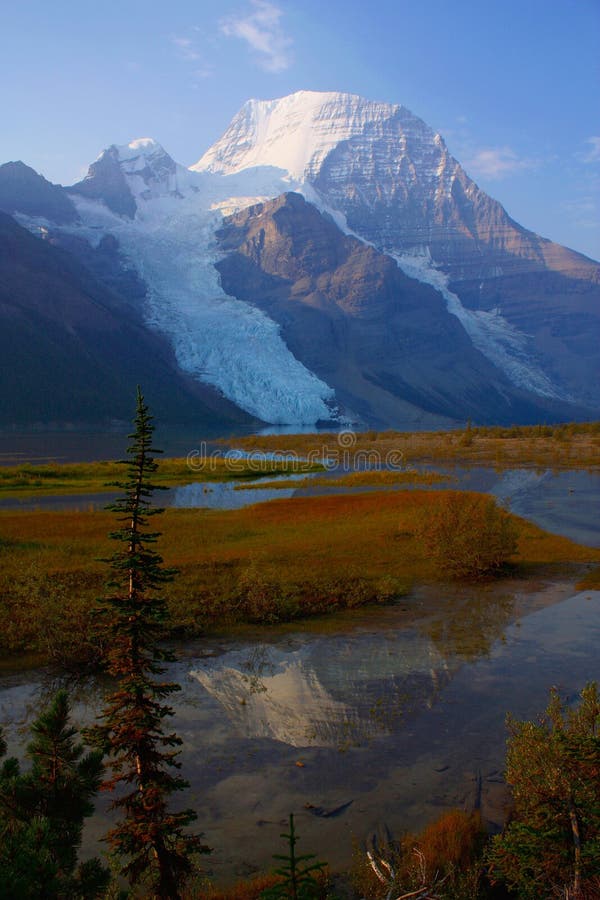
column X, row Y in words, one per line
column 425, row 891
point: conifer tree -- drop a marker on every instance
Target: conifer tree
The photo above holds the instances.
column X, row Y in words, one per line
column 149, row 839
column 297, row 873
column 42, row 813
column 551, row 846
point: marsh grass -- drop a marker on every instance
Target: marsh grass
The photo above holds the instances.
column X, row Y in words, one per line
column 590, row 581
column 354, row 479
column 247, row 889
column 271, row 562
column 564, row 446
column 75, row 478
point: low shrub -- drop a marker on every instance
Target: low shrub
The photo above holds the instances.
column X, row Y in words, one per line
column 443, row 861
column 470, row 536
column 551, row 845
column 50, row 614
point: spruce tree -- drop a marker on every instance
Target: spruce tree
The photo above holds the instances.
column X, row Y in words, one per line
column 149, row 839
column 42, row 813
column 297, row 873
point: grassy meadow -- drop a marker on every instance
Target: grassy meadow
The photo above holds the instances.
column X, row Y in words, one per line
column 95, row 477
column 276, row 561
column 267, row 563
column 565, row 446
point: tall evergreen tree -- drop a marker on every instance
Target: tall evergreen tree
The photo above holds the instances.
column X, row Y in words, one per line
column 150, row 840
column 42, row 813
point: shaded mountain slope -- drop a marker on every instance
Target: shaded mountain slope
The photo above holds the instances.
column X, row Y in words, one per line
column 23, row 190
column 385, row 342
column 71, row 354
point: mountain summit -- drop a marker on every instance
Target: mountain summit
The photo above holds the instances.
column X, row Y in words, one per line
column 124, row 176
column 298, row 132
column 393, row 178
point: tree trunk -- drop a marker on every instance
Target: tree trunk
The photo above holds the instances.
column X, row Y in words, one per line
column 577, row 844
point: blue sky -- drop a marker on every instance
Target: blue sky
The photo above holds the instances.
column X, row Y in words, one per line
column 512, row 85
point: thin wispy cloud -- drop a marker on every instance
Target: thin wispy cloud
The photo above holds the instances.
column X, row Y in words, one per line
column 205, row 70
column 186, row 48
column 498, row 162
column 262, row 31
column 592, row 155
column 584, row 211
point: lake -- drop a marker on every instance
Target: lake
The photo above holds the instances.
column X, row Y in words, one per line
column 384, row 716
column 376, row 717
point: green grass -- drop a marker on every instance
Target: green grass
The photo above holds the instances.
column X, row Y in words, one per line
column 96, row 477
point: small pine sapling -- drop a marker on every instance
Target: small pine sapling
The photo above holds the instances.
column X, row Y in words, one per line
column 296, row 874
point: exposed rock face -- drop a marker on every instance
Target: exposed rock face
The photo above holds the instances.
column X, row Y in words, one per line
column 105, row 181
column 108, row 265
column 562, row 316
column 123, row 176
column 385, row 342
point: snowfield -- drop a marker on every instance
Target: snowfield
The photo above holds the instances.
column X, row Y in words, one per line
column 505, row 346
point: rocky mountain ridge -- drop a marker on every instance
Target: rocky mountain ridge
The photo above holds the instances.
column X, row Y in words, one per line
column 382, row 340
column 395, row 290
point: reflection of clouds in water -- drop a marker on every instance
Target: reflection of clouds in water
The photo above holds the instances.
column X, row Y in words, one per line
column 518, row 481
column 565, row 503
column 223, row 495
column 325, row 692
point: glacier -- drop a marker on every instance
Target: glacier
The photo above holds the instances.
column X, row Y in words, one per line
column 216, row 338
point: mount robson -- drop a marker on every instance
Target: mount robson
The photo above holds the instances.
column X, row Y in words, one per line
column 327, row 260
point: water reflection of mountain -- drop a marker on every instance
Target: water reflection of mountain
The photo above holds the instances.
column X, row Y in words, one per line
column 327, row 692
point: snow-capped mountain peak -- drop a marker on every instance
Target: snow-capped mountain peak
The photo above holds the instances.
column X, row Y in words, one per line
column 389, row 179
column 296, row 133
column 124, row 177
column 144, row 146
column 149, row 170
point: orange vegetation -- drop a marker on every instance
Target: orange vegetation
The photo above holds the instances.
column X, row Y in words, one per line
column 264, row 563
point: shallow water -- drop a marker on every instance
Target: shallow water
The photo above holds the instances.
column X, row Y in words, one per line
column 378, row 716
column 566, row 503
